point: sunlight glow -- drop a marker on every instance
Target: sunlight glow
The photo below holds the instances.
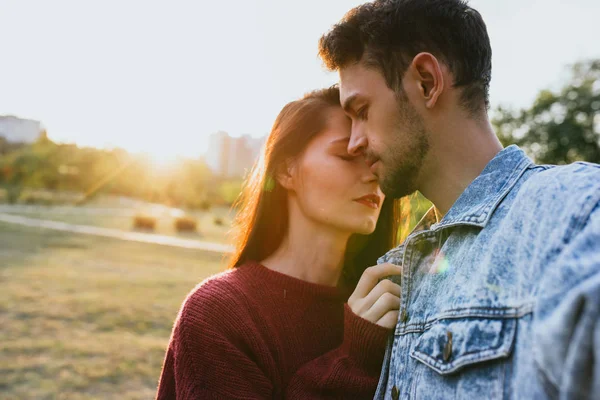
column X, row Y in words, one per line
column 163, row 161
column 162, row 83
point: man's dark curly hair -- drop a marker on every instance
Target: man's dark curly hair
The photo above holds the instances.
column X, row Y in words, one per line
column 387, row 34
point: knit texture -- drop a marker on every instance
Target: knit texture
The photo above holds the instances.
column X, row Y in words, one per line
column 253, row 333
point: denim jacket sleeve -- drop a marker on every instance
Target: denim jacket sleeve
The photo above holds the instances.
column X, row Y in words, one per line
column 567, row 323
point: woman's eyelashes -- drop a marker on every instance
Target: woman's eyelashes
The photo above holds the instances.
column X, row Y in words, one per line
column 347, row 157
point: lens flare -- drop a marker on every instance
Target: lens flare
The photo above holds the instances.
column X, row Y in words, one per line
column 441, row 264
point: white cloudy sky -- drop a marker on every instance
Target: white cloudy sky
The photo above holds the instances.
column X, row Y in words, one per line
column 160, row 76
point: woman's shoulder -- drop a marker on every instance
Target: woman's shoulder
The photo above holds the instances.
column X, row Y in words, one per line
column 215, row 316
column 218, row 298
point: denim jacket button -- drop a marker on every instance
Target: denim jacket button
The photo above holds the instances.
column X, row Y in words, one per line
column 395, row 393
column 448, row 346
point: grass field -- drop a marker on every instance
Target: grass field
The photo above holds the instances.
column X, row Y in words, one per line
column 86, row 317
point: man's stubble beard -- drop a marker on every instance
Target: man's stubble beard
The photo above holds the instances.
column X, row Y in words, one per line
column 403, row 159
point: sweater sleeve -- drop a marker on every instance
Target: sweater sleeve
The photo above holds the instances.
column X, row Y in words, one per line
column 350, row 371
column 209, row 355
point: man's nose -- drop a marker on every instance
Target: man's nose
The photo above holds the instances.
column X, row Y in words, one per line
column 358, row 142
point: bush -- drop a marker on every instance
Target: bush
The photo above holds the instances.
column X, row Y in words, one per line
column 205, row 205
column 144, row 222
column 39, row 198
column 202, row 205
column 13, row 192
column 186, row 224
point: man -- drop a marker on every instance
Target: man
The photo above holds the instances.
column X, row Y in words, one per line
column 501, row 279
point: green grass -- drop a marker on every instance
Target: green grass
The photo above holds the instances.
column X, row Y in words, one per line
column 86, row 317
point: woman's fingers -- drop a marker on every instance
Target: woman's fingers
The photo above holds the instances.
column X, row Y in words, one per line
column 371, row 277
column 384, row 286
column 385, row 303
column 389, row 320
column 375, row 297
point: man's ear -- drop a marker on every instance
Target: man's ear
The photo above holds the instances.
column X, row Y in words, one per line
column 285, row 175
column 427, row 78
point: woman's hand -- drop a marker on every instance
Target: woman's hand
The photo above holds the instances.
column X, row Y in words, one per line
column 377, row 299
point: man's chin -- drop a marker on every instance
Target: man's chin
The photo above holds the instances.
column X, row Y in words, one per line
column 396, row 188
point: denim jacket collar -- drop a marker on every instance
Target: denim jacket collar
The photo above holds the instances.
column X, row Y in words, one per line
column 478, row 202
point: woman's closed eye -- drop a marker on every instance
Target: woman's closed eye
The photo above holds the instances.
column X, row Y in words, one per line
column 347, row 157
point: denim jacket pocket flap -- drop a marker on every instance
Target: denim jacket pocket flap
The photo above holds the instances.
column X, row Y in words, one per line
column 452, row 344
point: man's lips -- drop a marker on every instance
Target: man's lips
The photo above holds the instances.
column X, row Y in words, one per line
column 371, row 161
column 371, row 200
column 373, row 168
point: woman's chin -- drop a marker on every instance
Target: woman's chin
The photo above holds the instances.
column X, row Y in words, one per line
column 355, row 226
column 366, row 228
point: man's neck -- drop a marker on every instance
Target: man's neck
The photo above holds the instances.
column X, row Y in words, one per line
column 458, row 157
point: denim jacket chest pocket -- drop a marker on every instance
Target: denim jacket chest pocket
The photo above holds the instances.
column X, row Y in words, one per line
column 463, row 357
column 452, row 344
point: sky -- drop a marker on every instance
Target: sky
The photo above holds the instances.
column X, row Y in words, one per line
column 161, row 76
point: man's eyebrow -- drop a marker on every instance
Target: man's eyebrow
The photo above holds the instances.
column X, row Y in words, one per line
column 348, row 103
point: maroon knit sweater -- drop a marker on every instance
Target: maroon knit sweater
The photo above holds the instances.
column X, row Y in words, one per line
column 253, row 333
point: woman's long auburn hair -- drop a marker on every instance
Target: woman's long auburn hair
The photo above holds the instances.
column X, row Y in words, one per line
column 261, row 222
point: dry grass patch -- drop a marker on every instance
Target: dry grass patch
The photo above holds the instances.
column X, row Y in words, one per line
column 87, row 317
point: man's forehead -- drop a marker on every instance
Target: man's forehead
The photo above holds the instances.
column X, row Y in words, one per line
column 354, row 79
column 351, row 75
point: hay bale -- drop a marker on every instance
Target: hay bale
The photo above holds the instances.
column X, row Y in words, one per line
column 218, row 221
column 186, row 224
column 144, row 222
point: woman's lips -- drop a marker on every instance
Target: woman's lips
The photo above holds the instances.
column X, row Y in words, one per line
column 370, row 200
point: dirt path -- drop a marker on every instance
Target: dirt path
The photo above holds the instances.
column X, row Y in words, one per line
column 116, row 233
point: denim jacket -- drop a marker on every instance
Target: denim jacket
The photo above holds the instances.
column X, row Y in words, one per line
column 501, row 298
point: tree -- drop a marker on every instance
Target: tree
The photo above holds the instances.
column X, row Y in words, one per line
column 562, row 127
column 16, row 170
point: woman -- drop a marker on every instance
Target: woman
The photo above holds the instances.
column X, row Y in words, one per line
column 276, row 324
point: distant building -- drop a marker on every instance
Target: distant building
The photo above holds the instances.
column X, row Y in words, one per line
column 19, row 130
column 232, row 156
column 217, row 153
